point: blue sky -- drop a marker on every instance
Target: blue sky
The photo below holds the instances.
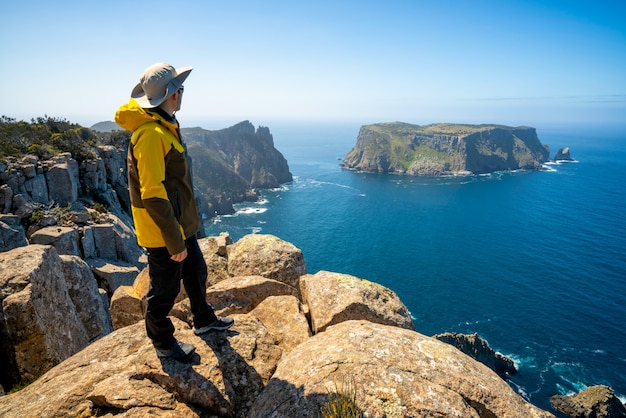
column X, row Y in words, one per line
column 510, row 62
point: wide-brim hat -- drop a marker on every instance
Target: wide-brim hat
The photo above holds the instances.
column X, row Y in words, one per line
column 157, row 83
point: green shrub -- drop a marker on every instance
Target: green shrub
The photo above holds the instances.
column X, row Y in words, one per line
column 46, row 137
column 100, row 208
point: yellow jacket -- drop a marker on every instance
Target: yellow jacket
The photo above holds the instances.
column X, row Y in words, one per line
column 159, row 179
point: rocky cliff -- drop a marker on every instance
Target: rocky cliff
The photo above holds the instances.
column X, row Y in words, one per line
column 72, row 288
column 478, row 349
column 230, row 164
column 445, row 149
column 300, row 341
column 42, row 186
column 563, row 154
column 595, row 401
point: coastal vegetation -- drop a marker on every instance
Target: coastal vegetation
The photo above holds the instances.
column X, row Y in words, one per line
column 46, row 137
column 231, row 164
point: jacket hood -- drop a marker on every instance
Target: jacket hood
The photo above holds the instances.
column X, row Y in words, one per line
column 131, row 116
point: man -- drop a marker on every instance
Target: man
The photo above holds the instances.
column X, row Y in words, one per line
column 164, row 209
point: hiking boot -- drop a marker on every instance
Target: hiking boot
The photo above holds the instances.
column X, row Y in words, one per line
column 179, row 351
column 220, row 324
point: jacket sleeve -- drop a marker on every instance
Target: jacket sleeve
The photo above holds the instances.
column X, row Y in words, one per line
column 150, row 151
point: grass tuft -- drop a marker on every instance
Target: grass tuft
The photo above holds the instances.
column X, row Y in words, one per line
column 342, row 402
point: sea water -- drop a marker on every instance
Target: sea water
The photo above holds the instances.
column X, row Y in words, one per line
column 532, row 261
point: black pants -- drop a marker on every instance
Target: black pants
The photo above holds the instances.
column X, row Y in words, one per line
column 165, row 276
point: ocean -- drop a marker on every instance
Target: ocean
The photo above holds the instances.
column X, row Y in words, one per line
column 534, row 262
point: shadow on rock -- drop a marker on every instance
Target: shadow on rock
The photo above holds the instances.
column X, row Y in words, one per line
column 242, row 382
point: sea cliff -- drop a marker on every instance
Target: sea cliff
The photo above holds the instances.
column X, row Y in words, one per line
column 445, row 149
column 233, row 163
column 72, row 290
column 298, row 339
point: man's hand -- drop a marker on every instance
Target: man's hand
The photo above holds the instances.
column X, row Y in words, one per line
column 180, row 256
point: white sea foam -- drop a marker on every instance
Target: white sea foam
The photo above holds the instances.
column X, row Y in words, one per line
column 478, row 321
column 548, row 167
column 251, row 210
column 563, row 391
column 519, row 389
column 279, row 189
column 559, row 162
column 329, row 183
column 522, row 362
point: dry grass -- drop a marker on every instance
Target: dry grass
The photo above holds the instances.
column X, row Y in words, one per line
column 342, row 402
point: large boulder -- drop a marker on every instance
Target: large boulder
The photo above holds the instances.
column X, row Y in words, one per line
column 594, row 402
column 114, row 163
column 268, row 256
column 12, row 233
column 394, row 372
column 285, row 318
column 113, row 240
column 64, row 239
column 127, row 307
column 237, row 295
column 334, row 297
column 128, row 300
column 91, row 302
column 121, row 375
column 93, row 174
column 63, row 179
column 51, row 308
column 6, row 199
column 112, row 275
column 215, row 252
column 36, row 186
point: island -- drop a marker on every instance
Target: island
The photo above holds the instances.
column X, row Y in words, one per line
column 442, row 149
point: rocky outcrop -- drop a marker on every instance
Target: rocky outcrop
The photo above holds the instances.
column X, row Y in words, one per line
column 271, row 363
column 445, row 149
column 12, row 233
column 395, row 372
column 231, row 163
column 333, row 298
column 563, row 154
column 250, row 153
column 51, row 309
column 65, row 239
column 128, row 300
column 263, row 265
column 60, row 192
column 267, row 256
column 122, row 376
column 593, row 402
column 478, row 349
